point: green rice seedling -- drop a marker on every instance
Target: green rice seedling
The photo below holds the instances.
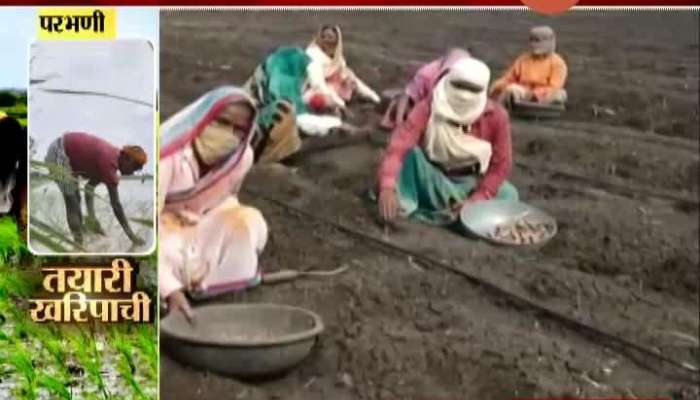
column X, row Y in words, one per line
column 13, row 283
column 58, row 234
column 53, row 230
column 97, row 364
column 125, row 372
column 127, row 341
column 91, row 359
column 147, row 343
column 21, row 360
column 55, row 348
column 75, row 341
column 6, row 308
column 4, row 370
column 11, row 242
column 125, row 363
column 55, row 387
column 143, row 221
column 123, row 346
column 23, row 328
column 46, row 241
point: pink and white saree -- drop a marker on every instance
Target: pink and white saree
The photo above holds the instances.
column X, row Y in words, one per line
column 208, row 242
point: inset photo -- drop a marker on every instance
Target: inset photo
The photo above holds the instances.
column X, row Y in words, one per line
column 92, row 113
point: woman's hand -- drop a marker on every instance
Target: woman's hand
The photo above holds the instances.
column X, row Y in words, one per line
column 374, row 97
column 177, row 302
column 388, row 204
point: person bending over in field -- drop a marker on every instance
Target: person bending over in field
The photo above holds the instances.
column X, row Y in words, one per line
column 78, row 155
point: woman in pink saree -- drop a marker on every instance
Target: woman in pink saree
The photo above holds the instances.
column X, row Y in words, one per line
column 209, row 242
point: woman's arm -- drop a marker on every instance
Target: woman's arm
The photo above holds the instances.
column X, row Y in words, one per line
column 510, row 76
column 365, row 91
column 167, row 282
column 501, row 158
column 170, row 287
column 559, row 73
column 121, row 216
column 403, row 138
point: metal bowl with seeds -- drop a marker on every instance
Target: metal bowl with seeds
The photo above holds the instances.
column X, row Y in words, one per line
column 512, row 223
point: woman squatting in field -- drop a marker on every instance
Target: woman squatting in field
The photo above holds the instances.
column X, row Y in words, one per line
column 537, row 75
column 454, row 148
column 209, row 242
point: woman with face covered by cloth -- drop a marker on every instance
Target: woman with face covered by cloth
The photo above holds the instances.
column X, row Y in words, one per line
column 537, row 75
column 454, row 148
column 419, row 87
column 209, row 242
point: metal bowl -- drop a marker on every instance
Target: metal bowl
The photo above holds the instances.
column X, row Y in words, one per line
column 531, row 109
column 244, row 340
column 482, row 218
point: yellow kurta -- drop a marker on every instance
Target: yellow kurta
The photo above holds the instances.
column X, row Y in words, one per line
column 543, row 75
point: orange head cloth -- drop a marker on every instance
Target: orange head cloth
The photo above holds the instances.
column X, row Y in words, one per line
column 136, row 153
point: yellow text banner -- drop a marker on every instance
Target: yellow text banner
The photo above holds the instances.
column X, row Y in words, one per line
column 77, row 23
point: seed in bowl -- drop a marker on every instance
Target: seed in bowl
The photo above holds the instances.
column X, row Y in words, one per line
column 522, row 231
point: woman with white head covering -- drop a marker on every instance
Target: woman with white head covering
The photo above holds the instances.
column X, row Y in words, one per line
column 331, row 82
column 454, row 148
column 281, row 86
column 537, row 75
column 419, row 87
